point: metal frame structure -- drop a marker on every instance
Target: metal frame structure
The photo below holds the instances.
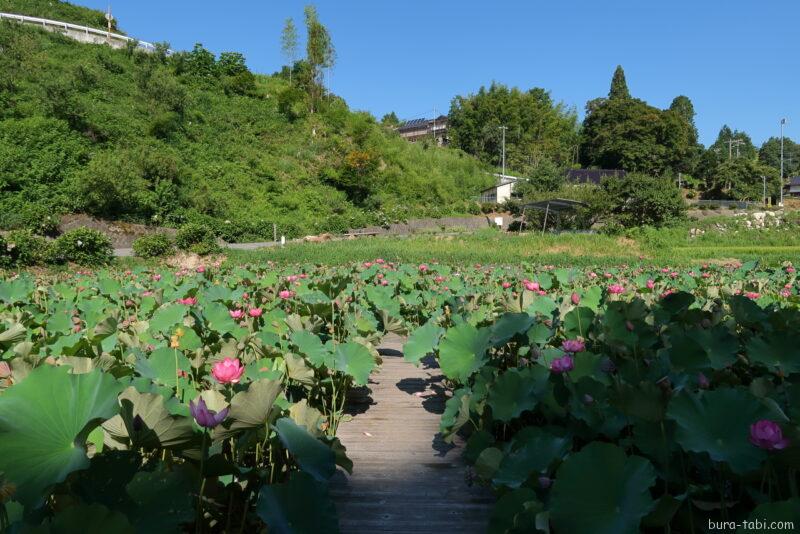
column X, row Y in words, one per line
column 556, row 205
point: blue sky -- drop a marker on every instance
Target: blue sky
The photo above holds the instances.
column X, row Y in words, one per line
column 738, row 60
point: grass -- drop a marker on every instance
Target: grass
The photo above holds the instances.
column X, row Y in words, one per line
column 493, row 247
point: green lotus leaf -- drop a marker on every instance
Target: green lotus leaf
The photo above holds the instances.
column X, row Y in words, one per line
column 676, row 303
column 699, row 349
column 508, row 326
column 422, row 342
column 718, row 423
column 600, row 490
column 161, row 366
column 145, row 422
column 251, row 408
column 166, row 317
column 779, row 351
column 353, row 359
column 517, row 390
column 307, row 416
column 456, row 413
column 534, row 449
column 219, row 318
column 89, row 519
column 299, row 506
column 462, row 351
column 312, row 455
column 509, row 506
column 163, row 500
column 44, row 424
column 578, row 321
column 310, row 346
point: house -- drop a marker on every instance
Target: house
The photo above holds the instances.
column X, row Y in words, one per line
column 417, row 129
column 792, row 189
column 592, row 176
column 500, row 192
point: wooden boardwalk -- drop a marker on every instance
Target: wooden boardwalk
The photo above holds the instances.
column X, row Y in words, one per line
column 405, row 479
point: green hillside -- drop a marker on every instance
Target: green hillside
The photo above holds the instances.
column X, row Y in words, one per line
column 56, row 10
column 127, row 135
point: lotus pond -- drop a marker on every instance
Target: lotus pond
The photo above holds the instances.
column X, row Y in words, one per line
column 626, row 399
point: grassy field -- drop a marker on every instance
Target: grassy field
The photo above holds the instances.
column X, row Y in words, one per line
column 661, row 247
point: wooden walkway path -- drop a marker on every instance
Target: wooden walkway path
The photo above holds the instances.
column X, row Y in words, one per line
column 405, row 479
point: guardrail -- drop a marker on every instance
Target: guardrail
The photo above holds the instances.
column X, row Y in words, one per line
column 77, row 31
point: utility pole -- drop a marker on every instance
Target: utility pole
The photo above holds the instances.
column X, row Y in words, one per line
column 783, row 122
column 504, row 128
column 764, row 179
column 731, row 143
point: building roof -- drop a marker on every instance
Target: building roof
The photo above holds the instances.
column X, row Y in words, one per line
column 794, row 180
column 592, row 176
column 415, row 124
column 555, row 204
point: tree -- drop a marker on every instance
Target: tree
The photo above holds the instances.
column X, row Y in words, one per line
column 619, row 87
column 320, row 53
column 742, row 179
column 770, row 154
column 621, row 132
column 538, row 129
column 732, row 144
column 289, row 43
column 638, row 199
column 684, row 108
column 390, row 120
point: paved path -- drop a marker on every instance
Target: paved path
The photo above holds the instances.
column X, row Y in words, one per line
column 405, row 478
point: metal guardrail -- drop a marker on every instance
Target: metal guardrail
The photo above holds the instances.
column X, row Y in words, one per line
column 57, row 24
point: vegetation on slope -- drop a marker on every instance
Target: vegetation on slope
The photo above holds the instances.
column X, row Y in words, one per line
column 190, row 137
column 56, row 10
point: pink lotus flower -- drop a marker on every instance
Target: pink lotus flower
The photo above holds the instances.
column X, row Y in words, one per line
column 530, row 286
column 147, row 293
column 790, row 269
column 563, row 364
column 188, row 301
column 303, row 276
column 245, row 296
column 379, row 276
column 573, row 346
column 286, row 294
column 785, row 293
column 616, row 289
column 5, row 370
column 651, row 284
column 236, row 314
column 506, row 285
column 379, row 261
column 292, row 278
column 228, row 371
column 201, row 269
column 752, row 295
column 423, row 268
column 576, row 299
column 439, row 279
column 367, row 264
column 592, row 274
column 384, row 282
column 767, row 435
column 706, row 275
column 667, row 293
column 156, row 277
column 255, row 312
column 607, row 275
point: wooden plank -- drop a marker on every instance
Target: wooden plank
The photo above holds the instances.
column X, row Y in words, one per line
column 405, row 477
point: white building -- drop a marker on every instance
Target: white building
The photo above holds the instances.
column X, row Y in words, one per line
column 500, row 192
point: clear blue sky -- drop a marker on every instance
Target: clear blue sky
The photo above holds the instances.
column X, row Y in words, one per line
column 738, row 60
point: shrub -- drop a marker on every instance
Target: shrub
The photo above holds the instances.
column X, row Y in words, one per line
column 83, row 246
column 639, row 199
column 197, row 238
column 24, row 249
column 39, row 219
column 153, row 246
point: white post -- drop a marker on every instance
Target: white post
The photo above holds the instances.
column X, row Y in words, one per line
column 283, row 240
